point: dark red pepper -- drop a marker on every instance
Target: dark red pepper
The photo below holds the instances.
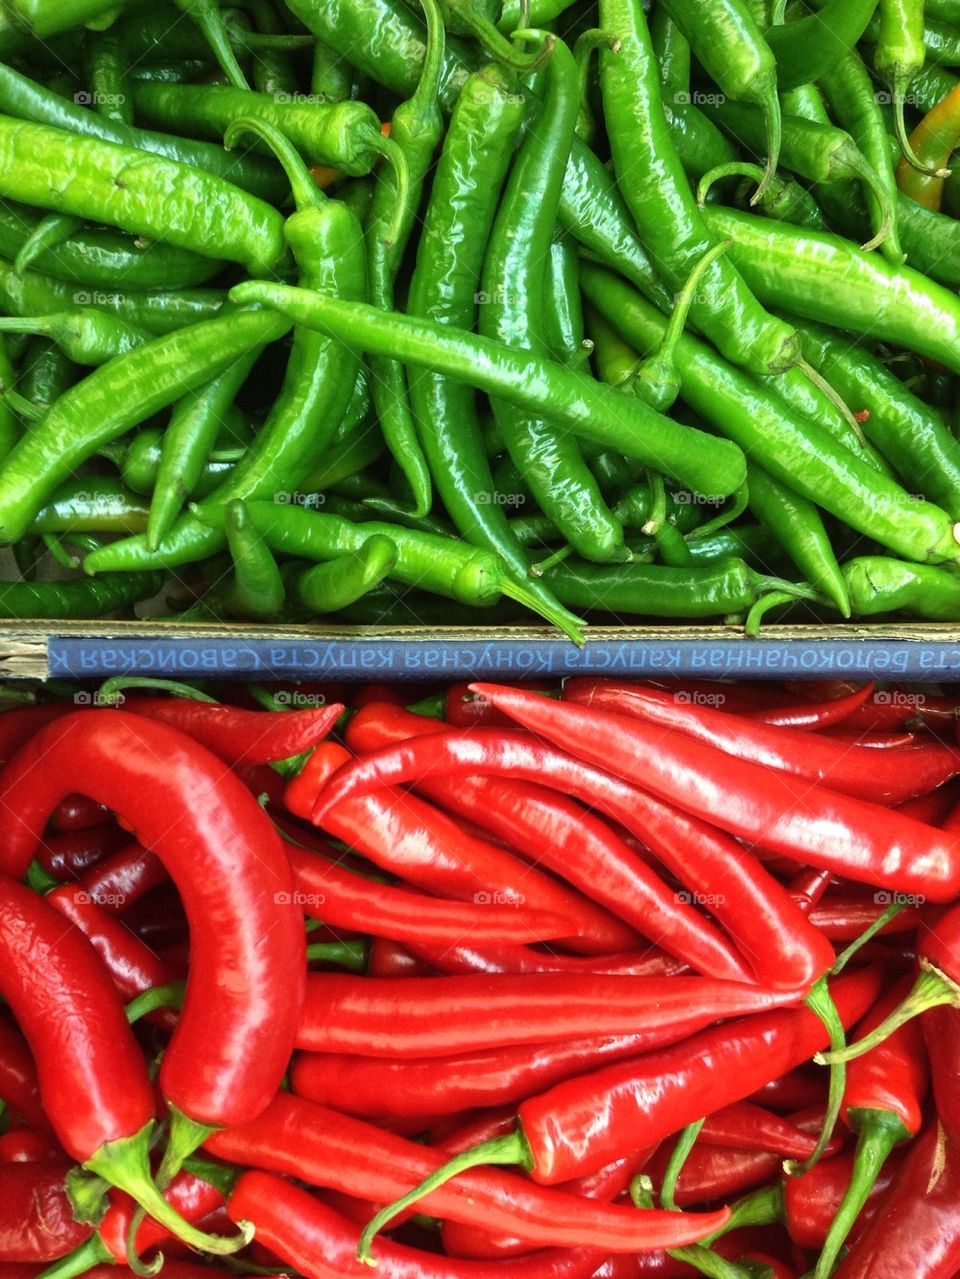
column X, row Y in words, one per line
column 36, row 1218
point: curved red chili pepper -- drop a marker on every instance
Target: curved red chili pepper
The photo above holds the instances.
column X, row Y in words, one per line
column 343, row 899
column 890, row 709
column 24, row 1146
column 93, row 1079
column 70, row 854
column 404, row 834
column 18, row 726
column 434, row 1016
column 463, row 709
column 811, row 1200
column 743, row 1125
column 240, row 736
column 123, row 877
column 470, row 958
column 234, row 1036
column 133, row 966
column 781, row 813
column 813, row 715
column 846, row 914
column 843, row 766
column 325, row 1148
column 36, row 1219
column 774, row 934
column 569, row 840
column 716, row 1172
column 934, row 809
column 916, row 1230
column 78, row 812
column 390, row 959
column 372, row 1086
column 19, row 1085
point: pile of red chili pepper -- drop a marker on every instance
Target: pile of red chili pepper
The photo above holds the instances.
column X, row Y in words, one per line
column 433, row 312
column 608, row 979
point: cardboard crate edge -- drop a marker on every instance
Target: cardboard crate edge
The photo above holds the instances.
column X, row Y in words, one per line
column 95, row 650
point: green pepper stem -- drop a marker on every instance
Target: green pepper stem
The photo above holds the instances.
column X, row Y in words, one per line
column 839, row 403
column 899, row 84
column 678, row 1157
column 759, row 610
column 352, row 955
column 423, row 103
column 394, row 155
column 509, row 1149
column 879, row 1132
column 125, row 1164
column 735, row 169
column 763, row 1208
column 156, row 997
column 206, row 14
column 865, row 171
column 697, row 1256
column 49, row 232
column 932, row 989
column 185, row 1136
column 770, row 105
column 729, row 513
column 868, row 934
column 86, row 1194
column 561, row 618
column 110, row 688
column 820, row 1002
column 306, row 193
column 92, row 1252
column 500, row 48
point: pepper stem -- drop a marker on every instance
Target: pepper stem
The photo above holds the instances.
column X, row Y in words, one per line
column 206, row 14
column 878, row 925
column 759, row 610
column 697, row 1256
column 185, row 1136
column 149, row 1001
column 92, row 1252
column 839, row 403
column 126, row 1164
column 932, row 989
column 763, row 1208
column 306, row 194
column 395, row 156
column 678, row 1157
column 735, row 169
column 352, row 955
column 509, row 1149
column 770, row 105
column 880, row 1131
column 820, row 1002
column 899, row 84
column 869, row 177
column 557, row 614
column 111, row 689
column 86, row 1194
column 499, row 47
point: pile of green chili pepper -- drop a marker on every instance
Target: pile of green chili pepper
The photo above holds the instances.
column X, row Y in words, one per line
column 456, row 312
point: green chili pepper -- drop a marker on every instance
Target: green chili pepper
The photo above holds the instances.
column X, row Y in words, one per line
column 853, row 101
column 817, row 152
column 656, row 590
column 51, row 231
column 106, row 65
column 478, row 18
column 257, row 589
column 346, row 458
column 784, row 200
column 140, row 464
column 796, row 451
column 416, row 129
column 49, row 17
column 91, row 504
column 446, row 288
column 46, row 372
column 336, row 585
column 699, row 144
column 931, row 240
column 344, row 135
column 187, row 444
column 671, row 48
column 572, row 400
column 103, row 258
column 28, row 100
column 160, row 313
column 146, row 195
column 9, row 428
column 442, row 566
column 907, row 432
column 206, row 14
column 731, row 48
column 899, row 55
column 87, row 336
column 588, row 42
column 881, row 585
column 665, row 211
column 537, row 13
column 514, row 290
column 809, row 48
column 564, row 311
column 114, row 398
column 331, row 78
column 112, row 593
column 787, row 266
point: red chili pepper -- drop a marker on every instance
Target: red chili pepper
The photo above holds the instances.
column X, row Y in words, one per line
column 71, row 854
column 812, row 1199
column 814, row 715
column 716, row 1172
column 318, row 1242
column 159, row 919
column 325, row 1148
column 77, row 812
column 796, row 1090
column 123, row 877
column 890, row 709
column 715, row 870
column 391, row 959
column 934, row 809
column 464, row 709
column 36, row 1219
column 233, row 1039
column 877, row 742
column 847, row 914
column 19, row 1086
column 435, row 1016
column 240, row 736
column 569, row 840
column 864, row 842
column 132, row 966
column 746, row 1126
column 404, row 834
column 558, row 1136
column 18, row 726
column 842, row 765
column 941, row 1031
column 916, row 1231
column 397, row 1086
column 24, row 1146
column 93, row 1079
column 469, row 958
column 343, row 899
